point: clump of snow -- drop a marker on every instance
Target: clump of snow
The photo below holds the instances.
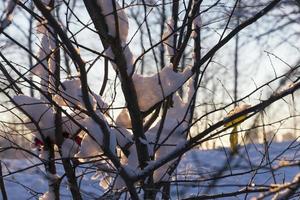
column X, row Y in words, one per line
column 89, row 149
column 69, row 148
column 93, row 140
column 46, row 68
column 123, row 119
column 127, row 54
column 112, row 142
column 69, row 126
column 123, row 136
column 8, row 14
column 108, row 11
column 44, row 116
column 49, row 195
column 131, row 166
column 173, row 134
column 241, row 107
column 44, row 154
column 40, row 112
column 71, row 95
column 196, row 24
column 153, row 89
column 168, row 37
column 100, row 102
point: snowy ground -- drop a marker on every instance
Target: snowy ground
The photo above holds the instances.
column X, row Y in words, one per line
column 205, row 164
column 32, row 183
column 197, row 165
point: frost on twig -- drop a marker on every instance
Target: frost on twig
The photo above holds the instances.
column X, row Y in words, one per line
column 287, row 190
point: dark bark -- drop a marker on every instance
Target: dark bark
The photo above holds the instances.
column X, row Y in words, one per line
column 126, row 80
column 69, row 170
column 81, row 67
column 50, row 167
column 2, row 185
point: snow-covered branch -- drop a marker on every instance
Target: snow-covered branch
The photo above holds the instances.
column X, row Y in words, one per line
column 7, row 15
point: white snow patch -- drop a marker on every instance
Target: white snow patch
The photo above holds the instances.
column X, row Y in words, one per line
column 69, row 126
column 69, row 148
column 124, row 136
column 241, row 107
column 8, row 14
column 49, row 195
column 72, row 95
column 153, row 89
column 107, row 10
column 195, row 167
column 47, row 66
column 173, row 134
column 40, row 112
column 127, row 54
column 123, row 119
column 168, row 37
column 92, row 142
column 89, row 149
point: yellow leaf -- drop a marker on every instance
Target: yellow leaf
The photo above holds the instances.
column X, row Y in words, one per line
column 236, row 110
column 236, row 121
column 234, row 140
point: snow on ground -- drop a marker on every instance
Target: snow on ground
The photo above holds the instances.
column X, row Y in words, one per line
column 32, row 183
column 195, row 165
column 204, row 164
